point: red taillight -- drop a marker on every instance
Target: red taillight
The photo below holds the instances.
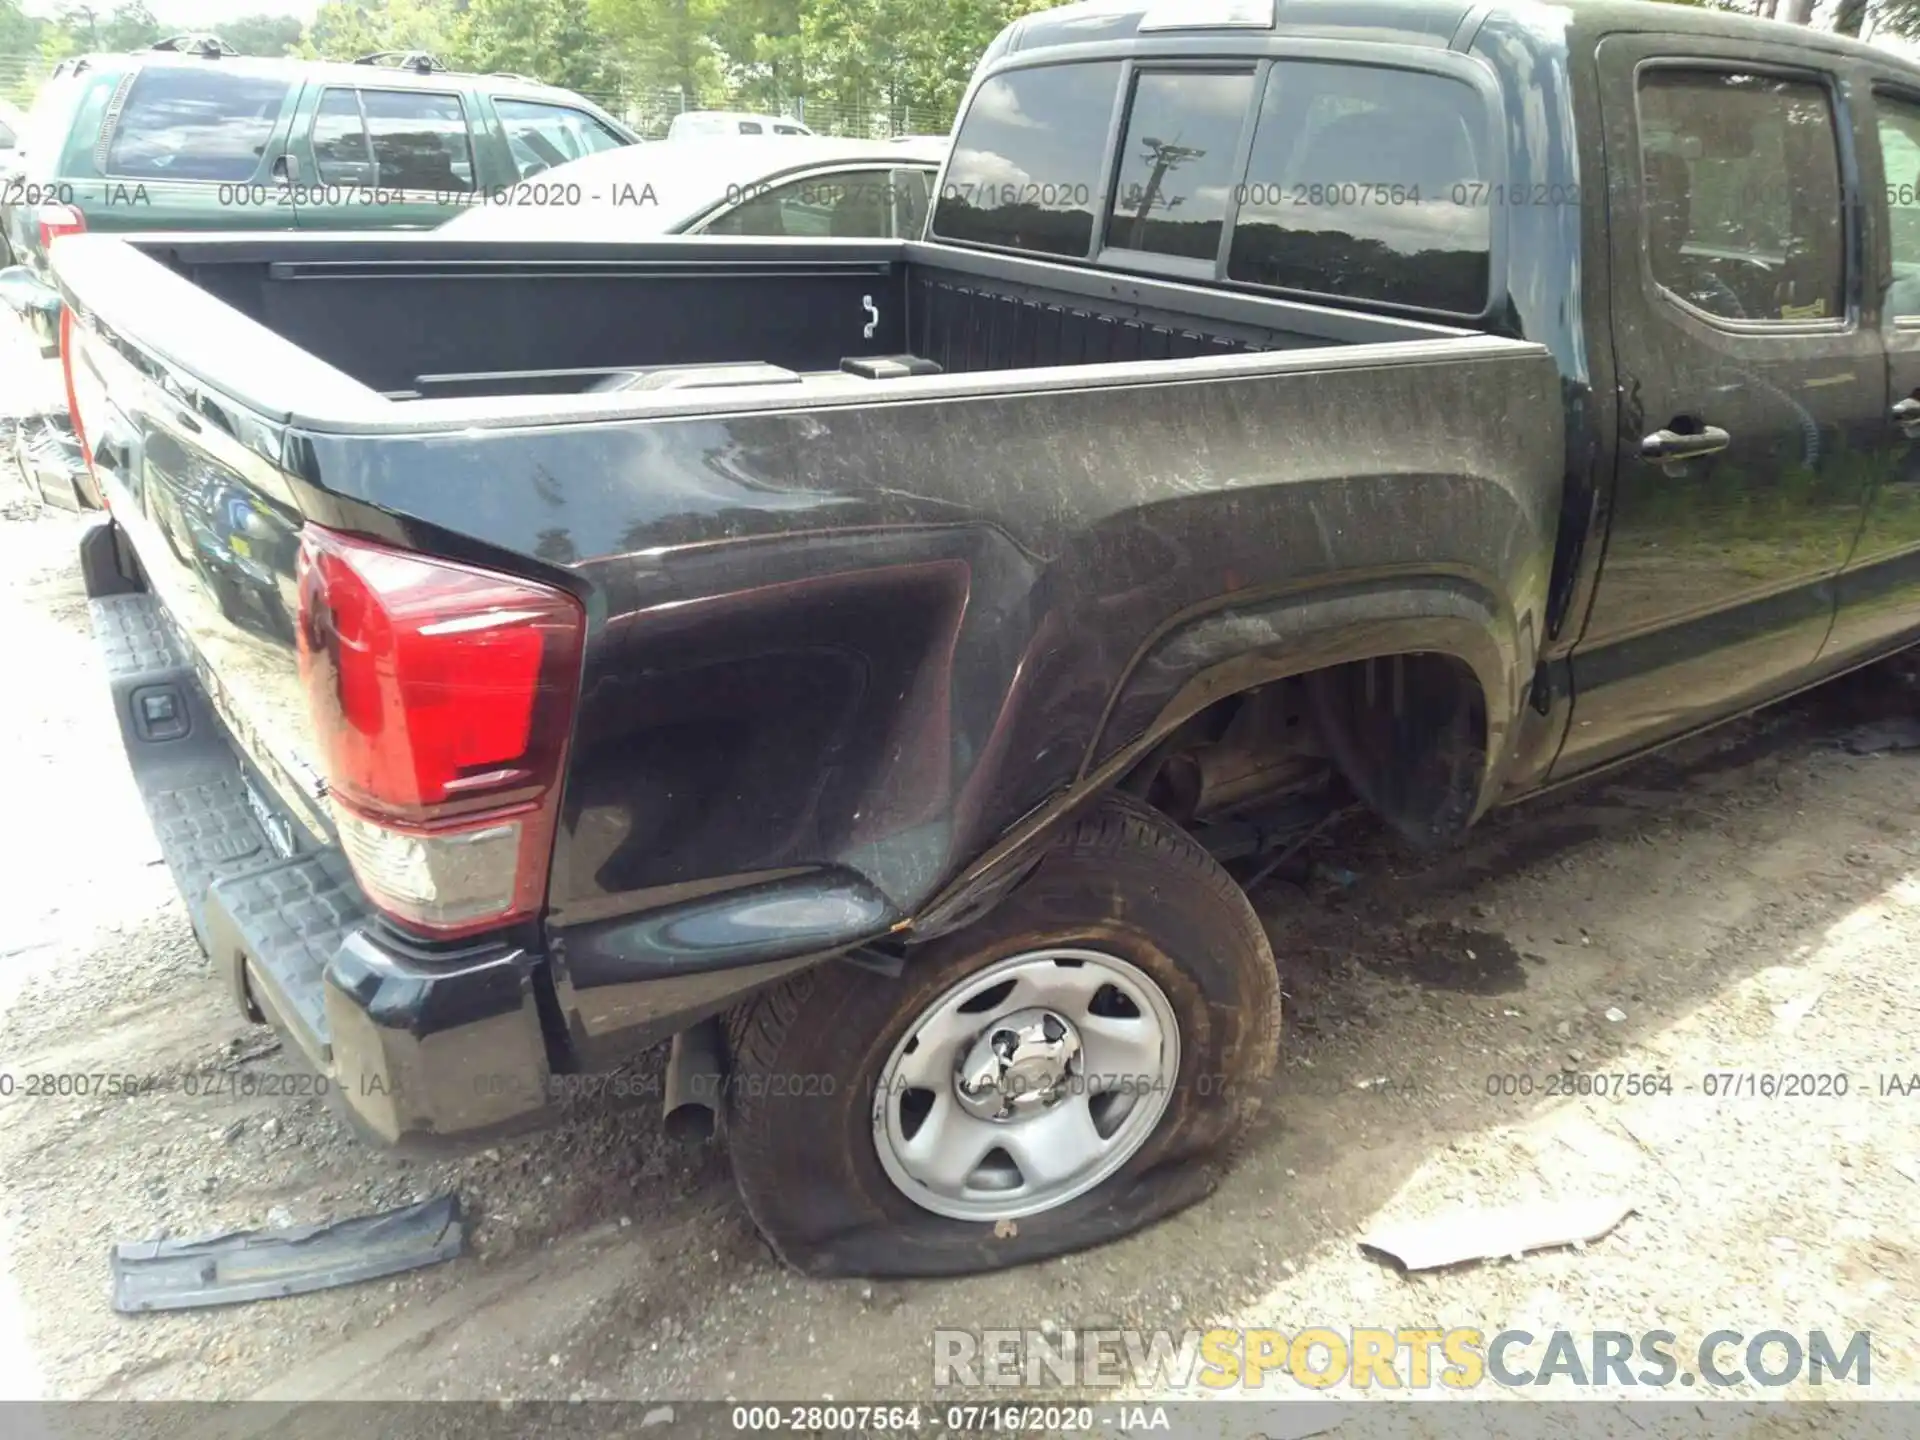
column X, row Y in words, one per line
column 58, row 220
column 66, row 369
column 73, row 406
column 443, row 698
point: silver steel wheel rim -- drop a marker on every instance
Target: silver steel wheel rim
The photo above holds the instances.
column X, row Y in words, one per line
column 1074, row 1106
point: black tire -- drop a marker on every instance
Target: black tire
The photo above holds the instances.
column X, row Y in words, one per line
column 1122, row 877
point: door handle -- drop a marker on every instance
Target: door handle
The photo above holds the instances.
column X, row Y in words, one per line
column 1906, row 414
column 1670, row 445
column 287, row 168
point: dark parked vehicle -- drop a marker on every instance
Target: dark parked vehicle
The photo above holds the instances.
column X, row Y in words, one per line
column 862, row 661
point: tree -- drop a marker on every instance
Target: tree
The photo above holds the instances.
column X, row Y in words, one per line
column 763, row 58
column 347, row 29
column 21, row 36
column 668, row 42
column 131, row 27
column 898, row 57
column 551, row 40
column 268, row 35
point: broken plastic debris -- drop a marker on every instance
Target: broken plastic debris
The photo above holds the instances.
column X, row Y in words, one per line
column 1470, row 1233
column 1616, row 1014
column 264, row 1264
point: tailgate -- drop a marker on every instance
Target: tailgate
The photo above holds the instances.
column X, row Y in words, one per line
column 215, row 526
column 197, row 483
column 416, row 1048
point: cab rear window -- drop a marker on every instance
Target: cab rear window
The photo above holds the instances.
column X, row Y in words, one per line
column 1359, row 182
column 1368, row 184
column 1025, row 173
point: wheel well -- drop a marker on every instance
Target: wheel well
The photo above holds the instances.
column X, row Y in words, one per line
column 1403, row 734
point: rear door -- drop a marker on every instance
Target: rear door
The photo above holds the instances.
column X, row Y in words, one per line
column 1750, row 386
column 383, row 157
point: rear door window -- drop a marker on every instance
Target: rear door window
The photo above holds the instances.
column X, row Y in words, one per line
column 419, row 139
column 1025, row 173
column 1899, row 127
column 402, row 139
column 1368, row 184
column 195, row 122
column 340, row 140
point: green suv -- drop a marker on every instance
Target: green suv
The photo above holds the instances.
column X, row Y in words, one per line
column 192, row 136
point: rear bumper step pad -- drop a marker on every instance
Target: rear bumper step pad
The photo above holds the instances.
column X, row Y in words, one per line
column 424, row 1049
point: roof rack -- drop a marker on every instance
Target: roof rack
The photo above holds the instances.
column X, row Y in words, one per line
column 513, row 75
column 195, row 43
column 421, row 62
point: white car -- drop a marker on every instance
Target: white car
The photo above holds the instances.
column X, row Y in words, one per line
column 699, row 124
column 812, row 187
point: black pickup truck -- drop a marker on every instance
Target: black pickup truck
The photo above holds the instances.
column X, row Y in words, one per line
column 862, row 662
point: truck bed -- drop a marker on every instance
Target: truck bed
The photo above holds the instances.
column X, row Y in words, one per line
column 413, row 318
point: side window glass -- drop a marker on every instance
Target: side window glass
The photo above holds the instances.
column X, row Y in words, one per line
column 419, row 140
column 1899, row 124
column 1742, row 194
column 340, row 140
column 912, row 194
column 195, row 123
column 543, row 136
column 851, row 205
column 1176, row 163
column 750, row 127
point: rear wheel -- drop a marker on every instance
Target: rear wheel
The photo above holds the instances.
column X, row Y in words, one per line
column 1072, row 1067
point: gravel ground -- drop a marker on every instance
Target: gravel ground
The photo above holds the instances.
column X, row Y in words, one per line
column 1747, row 902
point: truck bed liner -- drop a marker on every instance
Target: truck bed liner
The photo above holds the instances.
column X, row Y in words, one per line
column 403, row 314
